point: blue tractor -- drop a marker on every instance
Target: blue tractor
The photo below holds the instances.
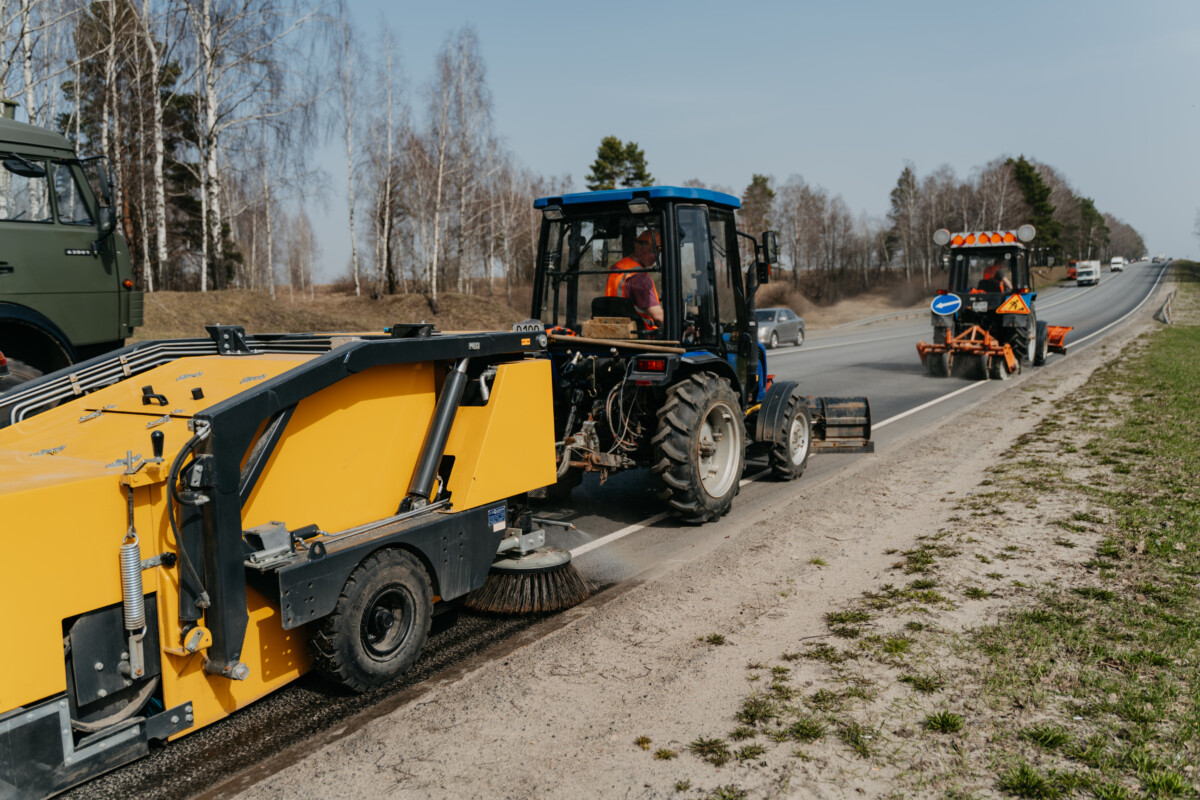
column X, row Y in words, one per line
column 647, row 297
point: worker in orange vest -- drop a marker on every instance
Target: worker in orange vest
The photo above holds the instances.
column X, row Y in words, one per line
column 995, row 279
column 629, row 278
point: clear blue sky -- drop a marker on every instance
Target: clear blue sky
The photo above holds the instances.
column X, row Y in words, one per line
column 1105, row 91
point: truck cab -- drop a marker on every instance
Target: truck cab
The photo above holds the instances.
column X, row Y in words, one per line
column 66, row 282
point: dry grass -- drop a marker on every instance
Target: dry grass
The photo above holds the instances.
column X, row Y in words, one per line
column 171, row 315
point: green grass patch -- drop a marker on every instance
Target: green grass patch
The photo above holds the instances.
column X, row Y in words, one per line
column 943, row 722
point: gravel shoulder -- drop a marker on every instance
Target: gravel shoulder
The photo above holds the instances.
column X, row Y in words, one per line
column 558, row 713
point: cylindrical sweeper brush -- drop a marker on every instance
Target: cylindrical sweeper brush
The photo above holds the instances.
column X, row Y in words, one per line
column 544, row 579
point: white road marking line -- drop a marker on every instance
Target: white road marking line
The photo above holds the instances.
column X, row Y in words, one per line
column 1149, row 294
column 637, row 526
column 648, row 521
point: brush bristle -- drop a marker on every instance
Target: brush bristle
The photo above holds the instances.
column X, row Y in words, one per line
column 515, row 592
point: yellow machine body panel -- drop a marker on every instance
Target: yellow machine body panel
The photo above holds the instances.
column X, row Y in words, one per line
column 507, row 446
column 218, row 377
column 348, row 452
column 346, row 457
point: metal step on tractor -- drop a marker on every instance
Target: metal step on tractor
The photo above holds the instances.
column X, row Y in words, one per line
column 649, row 310
column 984, row 323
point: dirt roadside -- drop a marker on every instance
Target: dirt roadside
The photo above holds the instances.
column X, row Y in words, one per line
column 560, row 716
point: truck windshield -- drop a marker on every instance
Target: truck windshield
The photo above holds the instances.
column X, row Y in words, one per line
column 24, row 199
column 582, row 254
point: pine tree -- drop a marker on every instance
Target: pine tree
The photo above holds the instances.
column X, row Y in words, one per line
column 618, row 163
column 758, row 200
column 1037, row 195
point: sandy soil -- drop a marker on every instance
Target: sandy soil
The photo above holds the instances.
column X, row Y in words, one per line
column 559, row 716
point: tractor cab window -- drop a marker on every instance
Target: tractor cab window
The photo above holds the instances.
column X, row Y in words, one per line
column 697, row 276
column 24, row 195
column 603, row 266
column 983, row 270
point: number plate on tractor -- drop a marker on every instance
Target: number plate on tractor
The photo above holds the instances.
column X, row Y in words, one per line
column 979, row 305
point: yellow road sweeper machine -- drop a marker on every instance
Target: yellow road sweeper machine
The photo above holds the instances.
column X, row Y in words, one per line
column 191, row 524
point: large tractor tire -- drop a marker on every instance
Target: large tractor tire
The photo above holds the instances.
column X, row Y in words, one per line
column 789, row 455
column 700, row 448
column 379, row 625
column 1042, row 347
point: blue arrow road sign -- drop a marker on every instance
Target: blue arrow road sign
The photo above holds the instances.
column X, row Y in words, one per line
column 946, row 304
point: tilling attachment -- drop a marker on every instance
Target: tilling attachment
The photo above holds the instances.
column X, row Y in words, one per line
column 541, row 580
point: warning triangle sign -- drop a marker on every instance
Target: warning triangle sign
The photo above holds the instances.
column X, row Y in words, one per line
column 1013, row 305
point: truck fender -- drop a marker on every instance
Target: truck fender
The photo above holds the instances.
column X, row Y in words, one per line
column 46, row 347
column 769, row 424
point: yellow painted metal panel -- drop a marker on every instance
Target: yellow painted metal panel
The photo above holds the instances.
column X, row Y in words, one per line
column 348, row 452
column 219, row 377
column 506, row 447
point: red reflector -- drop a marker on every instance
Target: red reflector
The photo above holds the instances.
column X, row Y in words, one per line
column 128, row 284
column 641, row 383
column 943, row 291
column 651, row 365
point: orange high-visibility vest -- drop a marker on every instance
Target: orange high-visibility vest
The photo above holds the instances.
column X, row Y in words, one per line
column 617, row 281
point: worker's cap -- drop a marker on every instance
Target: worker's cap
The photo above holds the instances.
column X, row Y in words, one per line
column 650, row 237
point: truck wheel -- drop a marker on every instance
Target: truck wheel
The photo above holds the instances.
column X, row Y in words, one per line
column 700, row 448
column 379, row 625
column 789, row 456
column 18, row 373
column 1043, row 345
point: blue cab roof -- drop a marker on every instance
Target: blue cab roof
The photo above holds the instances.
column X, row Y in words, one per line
column 652, row 192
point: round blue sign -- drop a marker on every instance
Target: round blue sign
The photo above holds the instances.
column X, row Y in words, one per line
column 946, row 304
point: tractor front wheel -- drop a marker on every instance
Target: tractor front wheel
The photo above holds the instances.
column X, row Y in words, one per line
column 699, row 448
column 789, row 454
column 379, row 625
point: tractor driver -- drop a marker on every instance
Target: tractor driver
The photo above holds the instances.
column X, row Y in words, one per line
column 995, row 279
column 629, row 279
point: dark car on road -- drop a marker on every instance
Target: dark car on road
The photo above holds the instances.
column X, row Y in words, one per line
column 778, row 326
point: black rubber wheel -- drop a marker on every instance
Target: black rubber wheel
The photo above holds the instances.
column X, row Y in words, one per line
column 789, row 456
column 379, row 625
column 1042, row 348
column 774, row 340
column 998, row 369
column 699, row 448
column 799, row 337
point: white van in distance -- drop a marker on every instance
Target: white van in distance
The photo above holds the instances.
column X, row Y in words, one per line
column 1117, row 264
column 1087, row 273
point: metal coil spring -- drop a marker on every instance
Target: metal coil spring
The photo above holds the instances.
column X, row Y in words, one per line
column 131, row 585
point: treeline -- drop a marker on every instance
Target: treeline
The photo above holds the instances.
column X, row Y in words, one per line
column 832, row 252
column 210, row 111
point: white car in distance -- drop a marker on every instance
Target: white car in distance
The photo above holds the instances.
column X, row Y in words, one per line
column 1117, row 264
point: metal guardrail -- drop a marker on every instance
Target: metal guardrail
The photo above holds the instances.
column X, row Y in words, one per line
column 1164, row 314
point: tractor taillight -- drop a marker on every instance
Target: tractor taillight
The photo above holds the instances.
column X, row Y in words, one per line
column 651, row 365
column 943, row 291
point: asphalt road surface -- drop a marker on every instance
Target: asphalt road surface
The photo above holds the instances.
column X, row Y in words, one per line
column 621, row 532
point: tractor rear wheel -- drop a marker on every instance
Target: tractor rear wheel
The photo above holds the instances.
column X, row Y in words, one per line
column 789, row 455
column 379, row 625
column 699, row 448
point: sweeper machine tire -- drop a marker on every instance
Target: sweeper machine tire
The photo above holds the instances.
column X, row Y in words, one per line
column 699, row 448
column 789, row 456
column 379, row 625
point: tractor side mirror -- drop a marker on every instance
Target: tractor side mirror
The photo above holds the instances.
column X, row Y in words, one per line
column 770, row 247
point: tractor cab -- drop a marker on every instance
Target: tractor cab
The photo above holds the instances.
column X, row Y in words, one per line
column 658, row 265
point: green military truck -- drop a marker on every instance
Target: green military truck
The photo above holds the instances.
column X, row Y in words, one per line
column 66, row 283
